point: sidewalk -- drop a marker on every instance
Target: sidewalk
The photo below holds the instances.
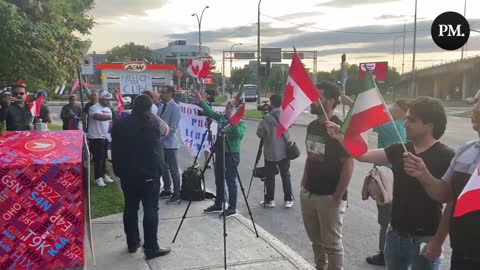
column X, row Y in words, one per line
column 199, row 244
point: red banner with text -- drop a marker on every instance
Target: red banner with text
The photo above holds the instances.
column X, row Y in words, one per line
column 41, row 200
column 378, row 70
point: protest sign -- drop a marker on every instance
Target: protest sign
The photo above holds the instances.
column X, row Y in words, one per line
column 135, row 83
column 192, row 127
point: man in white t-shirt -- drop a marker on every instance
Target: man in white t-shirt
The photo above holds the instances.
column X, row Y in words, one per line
column 99, row 121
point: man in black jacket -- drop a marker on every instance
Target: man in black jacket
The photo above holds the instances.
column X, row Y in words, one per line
column 136, row 156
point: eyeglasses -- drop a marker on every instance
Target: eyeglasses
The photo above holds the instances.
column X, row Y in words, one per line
column 19, row 93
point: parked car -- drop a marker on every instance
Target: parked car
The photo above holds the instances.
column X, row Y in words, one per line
column 470, row 100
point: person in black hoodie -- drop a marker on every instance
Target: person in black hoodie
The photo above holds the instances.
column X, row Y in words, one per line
column 136, row 157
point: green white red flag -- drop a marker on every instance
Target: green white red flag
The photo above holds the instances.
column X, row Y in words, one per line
column 368, row 111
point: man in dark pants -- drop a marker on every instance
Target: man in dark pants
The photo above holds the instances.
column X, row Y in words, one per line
column 136, row 157
column 275, row 153
column 99, row 120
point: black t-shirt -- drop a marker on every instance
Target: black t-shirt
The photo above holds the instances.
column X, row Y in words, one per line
column 323, row 161
column 413, row 211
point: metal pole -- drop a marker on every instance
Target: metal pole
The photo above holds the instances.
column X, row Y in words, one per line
column 223, row 73
column 403, row 57
column 414, row 88
column 231, row 59
column 393, row 53
column 464, row 14
column 258, row 55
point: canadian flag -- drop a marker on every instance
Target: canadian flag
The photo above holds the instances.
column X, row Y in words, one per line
column 469, row 199
column 198, row 68
column 75, row 85
column 299, row 93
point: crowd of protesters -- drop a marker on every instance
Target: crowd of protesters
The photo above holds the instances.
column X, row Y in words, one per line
column 425, row 172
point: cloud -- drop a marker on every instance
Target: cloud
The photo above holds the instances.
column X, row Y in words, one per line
column 300, row 15
column 353, row 35
column 113, row 8
column 351, row 3
column 223, row 34
column 389, row 16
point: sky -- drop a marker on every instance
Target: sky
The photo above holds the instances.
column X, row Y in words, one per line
column 366, row 30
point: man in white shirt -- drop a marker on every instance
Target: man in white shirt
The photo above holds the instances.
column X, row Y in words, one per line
column 99, row 121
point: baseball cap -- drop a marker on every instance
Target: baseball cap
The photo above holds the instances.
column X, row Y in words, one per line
column 105, row 95
column 5, row 93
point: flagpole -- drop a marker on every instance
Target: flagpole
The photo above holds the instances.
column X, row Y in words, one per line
column 388, row 111
column 81, row 85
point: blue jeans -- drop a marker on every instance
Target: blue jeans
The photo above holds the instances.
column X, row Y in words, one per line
column 230, row 178
column 284, row 167
column 402, row 252
column 171, row 168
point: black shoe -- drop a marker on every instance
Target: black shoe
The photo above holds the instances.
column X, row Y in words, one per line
column 213, row 209
column 152, row 254
column 133, row 249
column 165, row 194
column 174, row 199
column 229, row 213
column 377, row 259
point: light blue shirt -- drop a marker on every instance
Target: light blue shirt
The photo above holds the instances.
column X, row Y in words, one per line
column 171, row 115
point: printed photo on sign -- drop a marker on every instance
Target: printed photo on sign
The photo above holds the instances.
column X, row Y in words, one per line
column 315, row 145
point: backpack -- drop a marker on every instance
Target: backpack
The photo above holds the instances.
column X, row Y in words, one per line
column 192, row 185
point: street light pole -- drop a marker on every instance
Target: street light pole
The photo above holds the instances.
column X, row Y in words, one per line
column 258, row 55
column 464, row 14
column 231, row 57
column 199, row 20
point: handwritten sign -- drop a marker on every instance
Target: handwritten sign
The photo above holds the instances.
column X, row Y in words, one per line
column 135, row 83
column 192, row 127
column 41, row 200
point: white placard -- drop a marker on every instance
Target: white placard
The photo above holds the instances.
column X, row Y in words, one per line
column 192, row 127
column 135, row 83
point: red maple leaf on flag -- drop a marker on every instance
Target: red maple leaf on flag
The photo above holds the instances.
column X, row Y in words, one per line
column 288, row 98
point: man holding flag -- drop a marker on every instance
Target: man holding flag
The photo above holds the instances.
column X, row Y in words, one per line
column 234, row 128
column 460, row 188
column 415, row 216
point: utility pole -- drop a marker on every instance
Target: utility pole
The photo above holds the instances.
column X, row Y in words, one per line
column 403, row 57
column 258, row 55
column 464, row 14
column 414, row 88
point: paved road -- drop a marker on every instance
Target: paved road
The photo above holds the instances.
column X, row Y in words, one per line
column 360, row 229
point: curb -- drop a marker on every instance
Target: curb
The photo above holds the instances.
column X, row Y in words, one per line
column 283, row 249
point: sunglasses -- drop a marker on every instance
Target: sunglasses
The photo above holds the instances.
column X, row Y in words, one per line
column 19, row 93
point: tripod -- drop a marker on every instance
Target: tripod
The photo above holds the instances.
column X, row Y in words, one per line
column 220, row 144
column 208, row 133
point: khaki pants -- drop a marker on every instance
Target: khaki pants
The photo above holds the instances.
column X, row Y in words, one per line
column 323, row 220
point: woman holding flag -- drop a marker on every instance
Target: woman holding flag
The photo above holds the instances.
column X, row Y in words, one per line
column 234, row 129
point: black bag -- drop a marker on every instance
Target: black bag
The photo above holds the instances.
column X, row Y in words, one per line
column 293, row 152
column 192, row 185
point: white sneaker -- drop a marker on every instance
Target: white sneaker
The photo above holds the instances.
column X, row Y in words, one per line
column 107, row 179
column 99, row 182
column 270, row 204
column 288, row 204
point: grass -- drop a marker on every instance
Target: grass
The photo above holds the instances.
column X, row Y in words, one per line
column 220, row 100
column 54, row 127
column 105, row 200
column 253, row 113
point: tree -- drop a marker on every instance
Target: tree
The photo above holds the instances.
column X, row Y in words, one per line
column 243, row 74
column 277, row 80
column 40, row 42
column 129, row 52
